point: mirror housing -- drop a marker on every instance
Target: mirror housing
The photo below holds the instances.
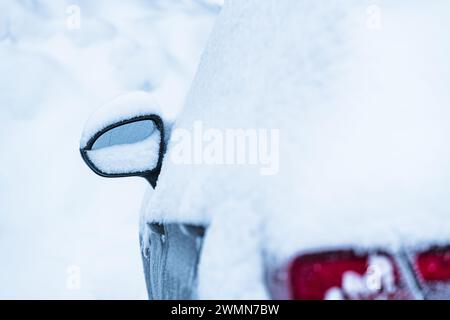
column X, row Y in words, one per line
column 140, row 158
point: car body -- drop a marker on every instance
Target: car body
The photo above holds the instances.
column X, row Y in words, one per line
column 357, row 208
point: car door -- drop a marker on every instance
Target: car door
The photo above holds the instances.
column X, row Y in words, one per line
column 170, row 262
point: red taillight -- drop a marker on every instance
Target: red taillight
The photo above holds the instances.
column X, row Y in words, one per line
column 434, row 265
column 433, row 272
column 345, row 275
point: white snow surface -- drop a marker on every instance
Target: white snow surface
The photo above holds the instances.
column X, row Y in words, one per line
column 128, row 158
column 124, row 107
column 363, row 115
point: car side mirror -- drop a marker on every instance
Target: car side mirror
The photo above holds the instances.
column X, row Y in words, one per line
column 134, row 145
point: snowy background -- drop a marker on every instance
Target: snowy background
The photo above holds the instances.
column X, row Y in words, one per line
column 65, row 232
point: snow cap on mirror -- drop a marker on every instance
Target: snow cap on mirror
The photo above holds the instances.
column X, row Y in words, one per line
column 123, row 107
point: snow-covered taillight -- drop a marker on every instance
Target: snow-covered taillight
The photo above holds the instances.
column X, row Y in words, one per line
column 432, row 268
column 345, row 275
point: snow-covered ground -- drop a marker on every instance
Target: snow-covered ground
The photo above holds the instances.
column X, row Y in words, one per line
column 65, row 232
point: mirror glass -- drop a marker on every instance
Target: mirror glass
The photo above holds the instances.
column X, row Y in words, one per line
column 126, row 149
column 125, row 134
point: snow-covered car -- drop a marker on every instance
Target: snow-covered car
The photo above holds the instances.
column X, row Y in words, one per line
column 342, row 189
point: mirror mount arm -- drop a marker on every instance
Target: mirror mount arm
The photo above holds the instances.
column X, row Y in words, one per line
column 152, row 176
column 152, row 179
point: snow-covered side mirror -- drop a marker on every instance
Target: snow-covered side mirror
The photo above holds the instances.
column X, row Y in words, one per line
column 125, row 138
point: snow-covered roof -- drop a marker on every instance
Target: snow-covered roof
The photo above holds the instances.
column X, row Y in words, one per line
column 363, row 113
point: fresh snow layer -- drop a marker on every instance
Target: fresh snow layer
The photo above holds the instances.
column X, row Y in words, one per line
column 128, row 158
column 363, row 113
column 124, row 107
